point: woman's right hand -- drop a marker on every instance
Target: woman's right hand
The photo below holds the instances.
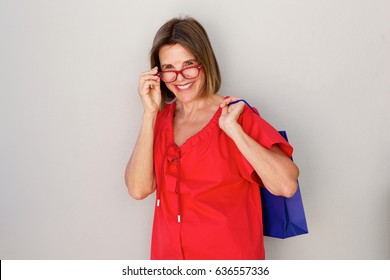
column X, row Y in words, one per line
column 150, row 91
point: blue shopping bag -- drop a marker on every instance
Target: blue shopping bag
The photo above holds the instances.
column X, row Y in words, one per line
column 283, row 217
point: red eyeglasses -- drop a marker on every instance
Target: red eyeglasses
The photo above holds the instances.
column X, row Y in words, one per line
column 170, row 76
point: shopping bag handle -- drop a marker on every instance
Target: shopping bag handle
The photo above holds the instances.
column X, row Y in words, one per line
column 243, row 100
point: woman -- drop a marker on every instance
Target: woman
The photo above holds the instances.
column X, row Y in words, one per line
column 204, row 158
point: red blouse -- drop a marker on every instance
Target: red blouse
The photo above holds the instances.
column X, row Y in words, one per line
column 208, row 199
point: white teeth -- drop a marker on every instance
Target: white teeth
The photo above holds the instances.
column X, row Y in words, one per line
column 185, row 86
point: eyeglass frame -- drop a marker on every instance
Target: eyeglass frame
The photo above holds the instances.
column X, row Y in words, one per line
column 199, row 66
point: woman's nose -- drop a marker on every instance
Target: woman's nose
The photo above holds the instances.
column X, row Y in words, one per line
column 180, row 77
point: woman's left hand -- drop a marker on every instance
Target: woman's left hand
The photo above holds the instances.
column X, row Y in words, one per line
column 229, row 116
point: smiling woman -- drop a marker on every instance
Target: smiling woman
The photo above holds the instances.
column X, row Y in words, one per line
column 186, row 83
column 204, row 158
column 191, row 36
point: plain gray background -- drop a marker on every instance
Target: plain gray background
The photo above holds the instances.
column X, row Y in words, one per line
column 70, row 115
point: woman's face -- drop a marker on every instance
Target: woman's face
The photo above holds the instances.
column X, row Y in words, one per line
column 175, row 57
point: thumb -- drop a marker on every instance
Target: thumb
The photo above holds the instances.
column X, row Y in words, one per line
column 224, row 111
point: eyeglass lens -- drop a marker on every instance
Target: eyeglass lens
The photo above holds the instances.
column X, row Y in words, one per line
column 188, row 73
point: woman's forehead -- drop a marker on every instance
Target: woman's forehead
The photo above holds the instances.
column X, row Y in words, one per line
column 174, row 54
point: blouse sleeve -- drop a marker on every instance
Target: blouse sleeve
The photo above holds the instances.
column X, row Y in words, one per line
column 263, row 133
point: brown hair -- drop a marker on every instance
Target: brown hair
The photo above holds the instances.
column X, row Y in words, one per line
column 190, row 34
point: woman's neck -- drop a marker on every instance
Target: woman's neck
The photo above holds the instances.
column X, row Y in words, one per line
column 191, row 109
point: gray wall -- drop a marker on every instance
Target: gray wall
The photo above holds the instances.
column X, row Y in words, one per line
column 70, row 115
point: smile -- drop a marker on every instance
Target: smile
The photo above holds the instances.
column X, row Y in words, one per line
column 183, row 87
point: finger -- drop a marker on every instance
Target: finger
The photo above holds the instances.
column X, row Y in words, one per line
column 234, row 100
column 154, row 86
column 228, row 100
column 150, row 84
column 236, row 106
column 224, row 111
column 224, row 102
column 148, row 78
column 152, row 72
column 151, row 80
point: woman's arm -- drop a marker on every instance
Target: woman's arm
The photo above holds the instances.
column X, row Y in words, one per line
column 139, row 174
column 277, row 171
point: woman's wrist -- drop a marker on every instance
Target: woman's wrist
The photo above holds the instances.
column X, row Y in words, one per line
column 233, row 130
column 149, row 114
column 149, row 117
